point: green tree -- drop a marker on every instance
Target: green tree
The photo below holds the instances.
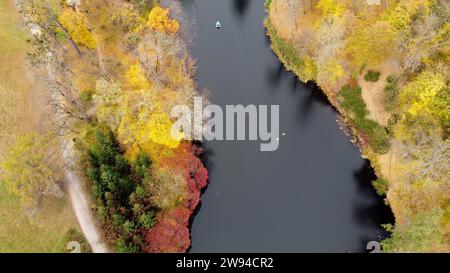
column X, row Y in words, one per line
column 109, row 170
column 148, row 220
column 142, row 165
column 422, row 234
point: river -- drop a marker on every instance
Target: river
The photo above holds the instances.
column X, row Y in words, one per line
column 311, row 195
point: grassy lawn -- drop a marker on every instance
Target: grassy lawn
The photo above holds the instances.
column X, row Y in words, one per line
column 45, row 233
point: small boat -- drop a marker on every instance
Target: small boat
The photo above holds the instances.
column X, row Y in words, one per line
column 218, row 25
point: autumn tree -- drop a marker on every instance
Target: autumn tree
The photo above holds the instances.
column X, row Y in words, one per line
column 136, row 106
column 174, row 222
column 167, row 188
column 75, row 22
column 157, row 52
column 67, row 106
column 128, row 19
column 135, row 78
column 426, row 158
column 158, row 19
column 30, row 170
column 331, row 7
column 427, row 38
column 423, row 100
column 372, row 44
column 159, row 130
column 330, row 48
column 149, row 132
column 142, row 117
column 422, row 234
column 404, row 12
column 106, row 99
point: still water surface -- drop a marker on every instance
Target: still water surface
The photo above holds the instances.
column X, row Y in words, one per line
column 311, row 195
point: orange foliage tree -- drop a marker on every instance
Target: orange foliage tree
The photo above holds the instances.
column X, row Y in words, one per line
column 159, row 20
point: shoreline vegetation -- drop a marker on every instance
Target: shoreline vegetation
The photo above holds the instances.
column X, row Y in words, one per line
column 115, row 70
column 396, row 104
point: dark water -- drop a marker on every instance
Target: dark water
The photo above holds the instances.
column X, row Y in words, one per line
column 311, row 195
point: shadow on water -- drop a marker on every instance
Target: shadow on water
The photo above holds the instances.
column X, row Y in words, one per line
column 372, row 212
column 191, row 220
column 313, row 96
column 316, row 95
column 206, row 155
column 240, row 7
column 276, row 74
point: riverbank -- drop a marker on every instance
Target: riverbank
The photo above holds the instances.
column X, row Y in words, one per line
column 420, row 225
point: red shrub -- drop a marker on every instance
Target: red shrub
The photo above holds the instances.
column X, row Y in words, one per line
column 171, row 233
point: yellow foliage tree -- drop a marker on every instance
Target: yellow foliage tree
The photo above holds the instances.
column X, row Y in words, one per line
column 427, row 94
column 135, row 78
column 443, row 36
column 30, row 169
column 372, row 44
column 336, row 70
column 159, row 20
column 128, row 19
column 331, row 73
column 310, row 69
column 148, row 132
column 75, row 23
column 401, row 15
column 144, row 124
column 159, row 130
column 331, row 7
column 135, row 110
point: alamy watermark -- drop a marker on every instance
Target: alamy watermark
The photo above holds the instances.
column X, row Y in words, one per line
column 235, row 122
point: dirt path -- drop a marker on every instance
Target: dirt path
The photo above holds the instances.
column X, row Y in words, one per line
column 80, row 200
column 81, row 203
